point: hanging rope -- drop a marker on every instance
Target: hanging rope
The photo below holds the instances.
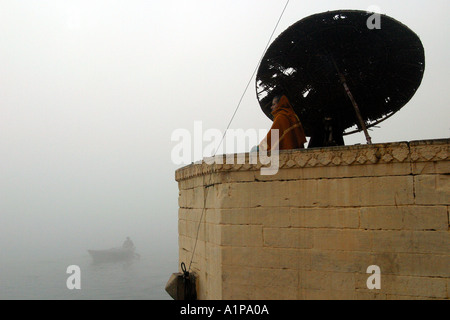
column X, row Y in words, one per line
column 228, row 127
column 199, row 223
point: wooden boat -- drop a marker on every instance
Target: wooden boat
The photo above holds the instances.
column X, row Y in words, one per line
column 113, row 255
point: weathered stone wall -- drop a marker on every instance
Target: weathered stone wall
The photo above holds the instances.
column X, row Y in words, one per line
column 312, row 230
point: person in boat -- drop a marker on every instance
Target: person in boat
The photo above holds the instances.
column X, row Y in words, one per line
column 291, row 133
column 128, row 244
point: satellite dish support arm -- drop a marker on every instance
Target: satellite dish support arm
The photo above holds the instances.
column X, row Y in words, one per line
column 355, row 105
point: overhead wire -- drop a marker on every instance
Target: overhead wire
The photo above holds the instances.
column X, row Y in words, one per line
column 253, row 74
column 228, row 127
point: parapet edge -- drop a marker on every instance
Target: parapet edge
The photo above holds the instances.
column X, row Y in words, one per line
column 394, row 152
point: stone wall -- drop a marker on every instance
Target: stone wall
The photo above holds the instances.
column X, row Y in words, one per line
column 312, row 230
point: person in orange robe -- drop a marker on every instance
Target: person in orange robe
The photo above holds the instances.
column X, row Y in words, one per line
column 291, row 133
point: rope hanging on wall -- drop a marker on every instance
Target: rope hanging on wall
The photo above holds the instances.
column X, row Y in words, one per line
column 229, row 124
column 186, row 277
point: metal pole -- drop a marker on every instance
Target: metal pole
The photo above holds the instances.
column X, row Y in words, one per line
column 355, row 105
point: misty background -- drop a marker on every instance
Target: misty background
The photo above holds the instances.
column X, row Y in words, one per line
column 91, row 91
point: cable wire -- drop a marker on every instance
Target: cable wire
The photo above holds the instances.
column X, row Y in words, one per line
column 228, row 127
column 253, row 74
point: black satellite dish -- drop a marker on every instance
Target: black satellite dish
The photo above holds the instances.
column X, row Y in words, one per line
column 338, row 72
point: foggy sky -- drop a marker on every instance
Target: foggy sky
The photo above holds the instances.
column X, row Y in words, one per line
column 90, row 92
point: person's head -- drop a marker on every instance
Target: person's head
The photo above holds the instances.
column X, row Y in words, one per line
column 275, row 101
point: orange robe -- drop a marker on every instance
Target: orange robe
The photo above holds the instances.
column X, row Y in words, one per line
column 291, row 133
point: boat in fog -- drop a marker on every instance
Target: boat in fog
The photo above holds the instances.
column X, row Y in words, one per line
column 125, row 253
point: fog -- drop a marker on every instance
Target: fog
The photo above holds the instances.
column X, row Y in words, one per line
column 91, row 91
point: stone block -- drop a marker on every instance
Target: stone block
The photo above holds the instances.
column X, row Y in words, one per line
column 233, row 291
column 213, row 288
column 288, row 238
column 213, row 216
column 345, row 239
column 324, row 217
column 196, row 230
column 435, row 167
column 353, row 192
column 252, row 195
column 315, row 280
column 343, row 281
column 193, row 215
column 237, row 176
column 404, row 218
column 337, row 261
column 271, row 217
column 312, row 294
column 241, row 235
column 271, row 258
column 182, row 230
column 423, row 265
column 258, row 292
column 214, row 234
column 364, row 295
column 337, row 171
column 405, row 264
column 432, row 189
column 274, row 293
column 409, row 287
column 437, row 242
column 260, row 277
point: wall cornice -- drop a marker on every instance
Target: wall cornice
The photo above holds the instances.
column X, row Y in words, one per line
column 386, row 153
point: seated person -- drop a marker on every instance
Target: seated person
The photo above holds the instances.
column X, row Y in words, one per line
column 291, row 133
column 128, row 244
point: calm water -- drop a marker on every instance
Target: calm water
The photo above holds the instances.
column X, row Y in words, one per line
column 39, row 278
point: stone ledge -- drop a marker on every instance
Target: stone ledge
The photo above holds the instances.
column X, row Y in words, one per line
column 387, row 153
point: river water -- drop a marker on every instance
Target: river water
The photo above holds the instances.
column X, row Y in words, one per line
column 46, row 278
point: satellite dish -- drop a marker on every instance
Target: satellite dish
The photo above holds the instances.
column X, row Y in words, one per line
column 339, row 73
